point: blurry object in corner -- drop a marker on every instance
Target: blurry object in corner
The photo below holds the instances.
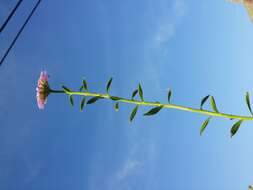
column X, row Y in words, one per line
column 248, row 5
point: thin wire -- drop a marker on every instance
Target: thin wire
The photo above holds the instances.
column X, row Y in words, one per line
column 19, row 32
column 10, row 15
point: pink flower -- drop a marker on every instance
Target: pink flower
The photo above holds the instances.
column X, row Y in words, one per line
column 42, row 89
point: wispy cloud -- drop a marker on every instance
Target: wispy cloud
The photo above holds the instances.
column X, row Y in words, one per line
column 167, row 25
column 129, row 167
column 139, row 162
column 164, row 33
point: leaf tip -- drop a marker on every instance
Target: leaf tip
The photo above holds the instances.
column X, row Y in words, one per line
column 108, row 85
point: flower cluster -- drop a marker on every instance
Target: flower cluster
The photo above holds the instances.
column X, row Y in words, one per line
column 42, row 89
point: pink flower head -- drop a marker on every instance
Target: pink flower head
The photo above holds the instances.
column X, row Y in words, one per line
column 42, row 89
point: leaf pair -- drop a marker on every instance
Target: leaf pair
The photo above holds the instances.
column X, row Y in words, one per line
column 233, row 130
column 68, row 91
column 212, row 102
column 84, row 86
column 114, row 98
column 82, row 104
column 151, row 112
column 71, row 100
column 139, row 91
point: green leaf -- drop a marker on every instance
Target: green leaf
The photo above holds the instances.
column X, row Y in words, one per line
column 116, row 106
column 204, row 124
column 133, row 113
column 213, row 104
column 250, row 187
column 248, row 102
column 66, row 90
column 115, row 98
column 153, row 111
column 169, row 95
column 93, row 100
column 134, row 93
column 82, row 103
column 140, row 92
column 81, row 88
column 235, row 127
column 71, row 100
column 85, row 86
column 108, row 85
column 203, row 101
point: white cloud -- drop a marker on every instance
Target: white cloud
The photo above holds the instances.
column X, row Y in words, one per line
column 139, row 162
column 168, row 24
column 165, row 25
column 129, row 167
column 164, row 33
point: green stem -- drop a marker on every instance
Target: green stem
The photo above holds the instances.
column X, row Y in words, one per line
column 56, row 91
column 155, row 104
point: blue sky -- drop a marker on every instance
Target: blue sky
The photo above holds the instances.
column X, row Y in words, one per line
column 196, row 48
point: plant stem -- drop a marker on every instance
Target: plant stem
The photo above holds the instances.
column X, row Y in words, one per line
column 56, row 91
column 155, row 104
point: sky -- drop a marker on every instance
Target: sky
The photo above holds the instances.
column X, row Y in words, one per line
column 193, row 47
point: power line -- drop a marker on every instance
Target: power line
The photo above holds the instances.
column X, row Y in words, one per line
column 10, row 15
column 19, row 32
